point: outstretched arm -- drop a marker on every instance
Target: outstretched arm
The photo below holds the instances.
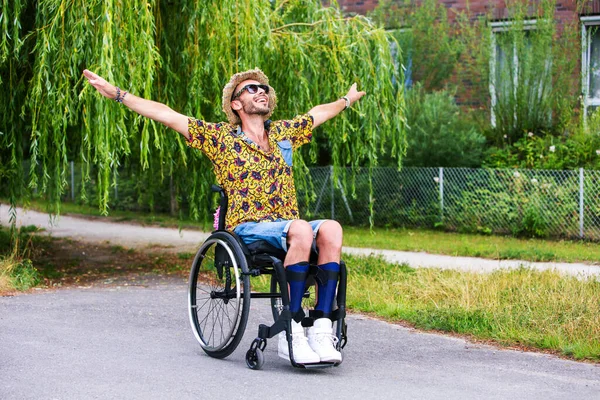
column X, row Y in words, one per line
column 147, row 108
column 325, row 112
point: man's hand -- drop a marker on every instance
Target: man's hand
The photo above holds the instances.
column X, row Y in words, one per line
column 105, row 88
column 354, row 95
column 325, row 112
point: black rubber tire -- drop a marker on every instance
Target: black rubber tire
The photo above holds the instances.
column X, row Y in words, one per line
column 255, row 359
column 228, row 313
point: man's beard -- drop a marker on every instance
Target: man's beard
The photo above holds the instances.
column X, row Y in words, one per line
column 252, row 109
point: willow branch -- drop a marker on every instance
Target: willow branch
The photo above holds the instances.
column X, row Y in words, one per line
column 279, row 28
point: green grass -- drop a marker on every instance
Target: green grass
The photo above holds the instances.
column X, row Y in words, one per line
column 523, row 307
column 473, row 245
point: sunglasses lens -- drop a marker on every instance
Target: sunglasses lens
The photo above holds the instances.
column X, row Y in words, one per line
column 252, row 89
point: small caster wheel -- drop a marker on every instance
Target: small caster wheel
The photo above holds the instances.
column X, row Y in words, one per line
column 255, row 359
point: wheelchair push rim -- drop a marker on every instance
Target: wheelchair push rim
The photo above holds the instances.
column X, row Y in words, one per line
column 219, row 295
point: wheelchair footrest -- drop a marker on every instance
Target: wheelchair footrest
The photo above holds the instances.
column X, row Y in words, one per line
column 316, row 365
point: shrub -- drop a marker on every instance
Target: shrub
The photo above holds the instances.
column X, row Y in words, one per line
column 438, row 135
column 544, row 151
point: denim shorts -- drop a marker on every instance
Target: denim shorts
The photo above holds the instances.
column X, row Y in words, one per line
column 275, row 233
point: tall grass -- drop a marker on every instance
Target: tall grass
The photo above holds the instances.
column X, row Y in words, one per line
column 16, row 269
column 473, row 245
column 543, row 310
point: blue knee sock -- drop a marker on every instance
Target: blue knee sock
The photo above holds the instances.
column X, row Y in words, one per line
column 327, row 278
column 296, row 277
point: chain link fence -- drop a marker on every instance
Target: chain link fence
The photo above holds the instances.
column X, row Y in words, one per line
column 538, row 203
column 541, row 203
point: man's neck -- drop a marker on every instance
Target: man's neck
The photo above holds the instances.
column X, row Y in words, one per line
column 254, row 127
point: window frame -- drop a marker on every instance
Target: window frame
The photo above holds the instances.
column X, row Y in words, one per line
column 587, row 22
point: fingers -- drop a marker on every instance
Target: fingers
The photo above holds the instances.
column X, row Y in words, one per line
column 89, row 74
column 94, row 79
column 354, row 94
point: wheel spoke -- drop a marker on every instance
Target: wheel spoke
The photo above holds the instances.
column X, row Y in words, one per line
column 218, row 312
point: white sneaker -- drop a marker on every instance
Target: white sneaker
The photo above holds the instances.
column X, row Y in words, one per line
column 303, row 354
column 322, row 340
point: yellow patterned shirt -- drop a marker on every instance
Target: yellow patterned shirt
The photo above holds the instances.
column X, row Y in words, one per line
column 260, row 185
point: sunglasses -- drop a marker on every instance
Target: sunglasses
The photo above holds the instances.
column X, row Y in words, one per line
column 252, row 89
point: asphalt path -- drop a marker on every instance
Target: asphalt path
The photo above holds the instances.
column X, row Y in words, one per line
column 135, row 342
column 132, row 340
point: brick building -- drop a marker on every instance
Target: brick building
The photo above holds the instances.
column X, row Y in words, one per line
column 566, row 9
column 585, row 13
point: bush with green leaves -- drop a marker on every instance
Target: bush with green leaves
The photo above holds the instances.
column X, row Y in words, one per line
column 578, row 147
column 439, row 134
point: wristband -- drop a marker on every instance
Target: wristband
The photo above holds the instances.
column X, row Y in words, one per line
column 347, row 100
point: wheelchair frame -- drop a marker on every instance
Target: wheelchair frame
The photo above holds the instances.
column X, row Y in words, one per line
column 219, row 285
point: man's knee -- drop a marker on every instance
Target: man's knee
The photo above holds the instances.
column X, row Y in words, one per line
column 300, row 235
column 330, row 235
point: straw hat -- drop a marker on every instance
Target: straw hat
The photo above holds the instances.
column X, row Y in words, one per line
column 254, row 74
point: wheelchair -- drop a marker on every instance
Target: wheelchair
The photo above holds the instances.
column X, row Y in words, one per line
column 219, row 295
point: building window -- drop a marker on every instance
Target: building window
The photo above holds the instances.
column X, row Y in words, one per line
column 590, row 62
column 505, row 68
column 401, row 51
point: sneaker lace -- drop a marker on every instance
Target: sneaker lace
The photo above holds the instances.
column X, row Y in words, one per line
column 326, row 338
column 298, row 339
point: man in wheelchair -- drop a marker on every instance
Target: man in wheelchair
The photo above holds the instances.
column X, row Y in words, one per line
column 252, row 160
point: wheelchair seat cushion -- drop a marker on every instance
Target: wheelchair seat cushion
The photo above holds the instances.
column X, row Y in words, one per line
column 264, row 247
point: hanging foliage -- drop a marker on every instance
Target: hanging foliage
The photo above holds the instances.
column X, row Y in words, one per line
column 180, row 53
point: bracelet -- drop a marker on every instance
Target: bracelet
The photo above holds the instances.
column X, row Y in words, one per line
column 119, row 98
column 347, row 100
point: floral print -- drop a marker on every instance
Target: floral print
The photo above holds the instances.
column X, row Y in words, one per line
column 259, row 184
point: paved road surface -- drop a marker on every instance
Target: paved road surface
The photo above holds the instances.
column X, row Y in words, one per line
column 134, row 342
column 131, row 341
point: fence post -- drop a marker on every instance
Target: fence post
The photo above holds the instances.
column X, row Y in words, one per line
column 581, row 194
column 441, row 175
column 72, row 182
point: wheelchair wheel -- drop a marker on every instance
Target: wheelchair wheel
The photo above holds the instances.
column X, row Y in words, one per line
column 255, row 359
column 219, row 295
column 308, row 301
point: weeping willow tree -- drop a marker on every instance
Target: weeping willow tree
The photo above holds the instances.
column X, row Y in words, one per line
column 181, row 53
